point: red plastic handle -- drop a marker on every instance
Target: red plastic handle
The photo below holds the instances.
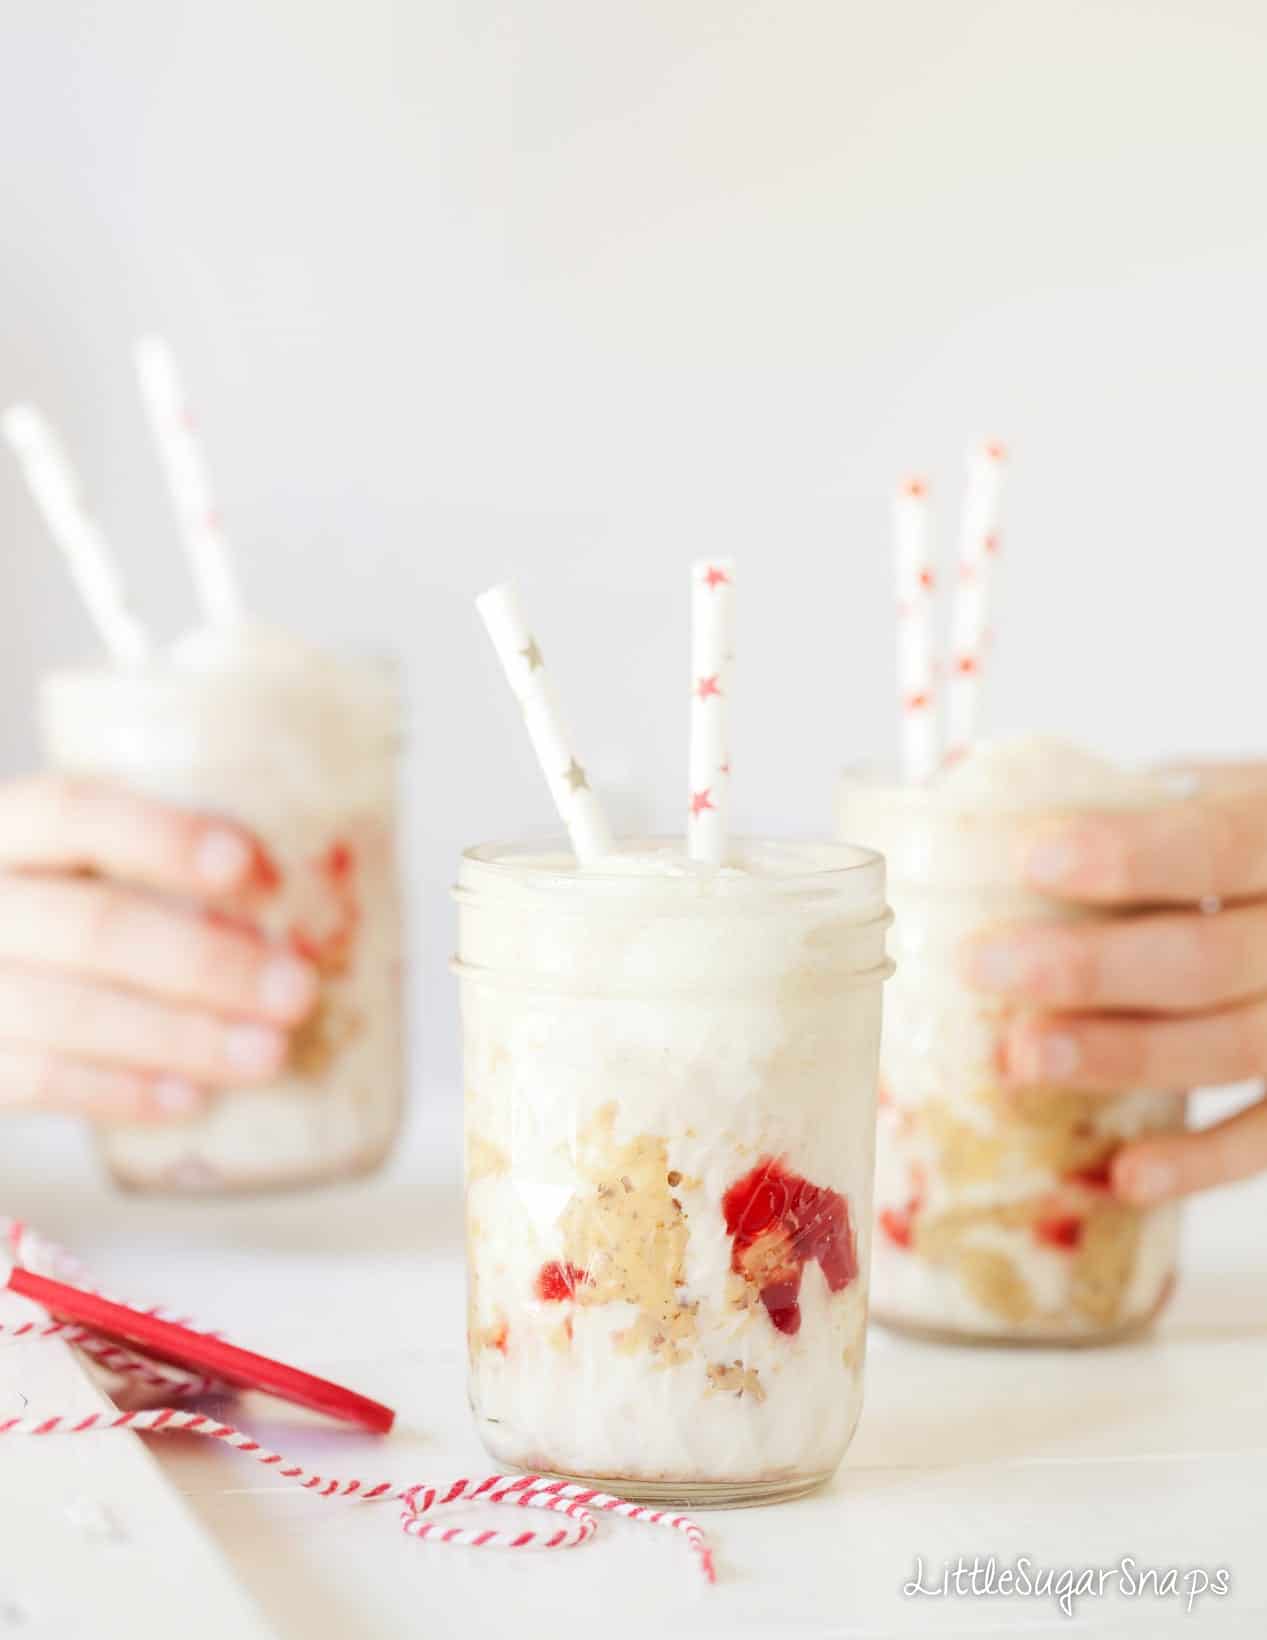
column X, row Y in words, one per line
column 194, row 1351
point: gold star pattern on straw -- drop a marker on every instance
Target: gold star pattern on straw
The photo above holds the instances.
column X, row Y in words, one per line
column 576, row 778
column 532, row 655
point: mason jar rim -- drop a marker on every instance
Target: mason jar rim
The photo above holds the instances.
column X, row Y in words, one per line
column 545, row 864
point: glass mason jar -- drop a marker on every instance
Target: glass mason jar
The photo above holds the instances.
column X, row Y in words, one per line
column 670, row 1085
column 309, row 764
column 994, row 1217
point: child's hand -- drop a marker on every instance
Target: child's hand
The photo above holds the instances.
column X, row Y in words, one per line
column 132, row 979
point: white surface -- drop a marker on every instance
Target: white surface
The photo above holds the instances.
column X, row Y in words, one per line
column 1155, row 1450
column 93, row 1543
column 464, row 289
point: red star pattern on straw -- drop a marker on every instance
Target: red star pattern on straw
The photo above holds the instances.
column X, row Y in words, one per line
column 714, row 577
column 915, row 486
column 967, row 666
column 927, row 580
column 701, row 801
column 991, row 543
column 708, row 686
column 918, row 703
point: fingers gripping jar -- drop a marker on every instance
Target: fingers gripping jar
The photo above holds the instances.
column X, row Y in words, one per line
column 670, row 1079
column 300, row 747
column 994, row 1216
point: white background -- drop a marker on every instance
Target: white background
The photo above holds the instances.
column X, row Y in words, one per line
column 579, row 291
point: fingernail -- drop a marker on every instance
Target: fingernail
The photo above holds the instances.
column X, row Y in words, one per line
column 173, row 1096
column 1151, row 1181
column 287, row 987
column 222, row 858
column 254, row 1049
column 1033, row 1058
column 1050, row 863
column 996, row 965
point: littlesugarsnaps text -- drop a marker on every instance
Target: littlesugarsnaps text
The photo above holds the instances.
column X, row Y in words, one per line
column 989, row 1578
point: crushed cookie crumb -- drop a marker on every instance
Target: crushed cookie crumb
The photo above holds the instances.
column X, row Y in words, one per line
column 735, row 1379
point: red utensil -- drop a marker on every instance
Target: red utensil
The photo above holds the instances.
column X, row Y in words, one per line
column 197, row 1352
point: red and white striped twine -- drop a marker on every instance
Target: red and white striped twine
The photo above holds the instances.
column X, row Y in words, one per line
column 573, row 1502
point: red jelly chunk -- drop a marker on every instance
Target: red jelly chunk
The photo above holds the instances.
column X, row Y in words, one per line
column 337, row 863
column 1061, row 1230
column 1098, row 1177
column 556, row 1281
column 778, row 1222
column 897, row 1224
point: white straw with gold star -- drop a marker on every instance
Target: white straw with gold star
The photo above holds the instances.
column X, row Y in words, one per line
column 978, row 545
column 185, row 465
column 525, row 670
column 712, row 661
column 916, row 670
column 55, row 486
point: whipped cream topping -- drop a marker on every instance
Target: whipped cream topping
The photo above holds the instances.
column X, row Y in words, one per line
column 1040, row 771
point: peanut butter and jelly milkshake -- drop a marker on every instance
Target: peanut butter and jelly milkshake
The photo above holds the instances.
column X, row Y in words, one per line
column 301, row 747
column 670, row 1081
column 994, row 1217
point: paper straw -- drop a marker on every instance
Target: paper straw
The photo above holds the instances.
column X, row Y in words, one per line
column 712, row 661
column 970, row 631
column 54, row 485
column 916, row 587
column 186, row 469
column 525, row 670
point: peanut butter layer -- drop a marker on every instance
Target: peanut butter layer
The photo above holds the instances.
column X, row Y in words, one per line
column 1105, row 1261
column 628, row 1232
column 1101, row 1263
column 993, row 1280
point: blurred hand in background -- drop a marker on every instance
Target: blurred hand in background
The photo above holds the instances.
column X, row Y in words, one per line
column 1169, row 993
column 133, row 979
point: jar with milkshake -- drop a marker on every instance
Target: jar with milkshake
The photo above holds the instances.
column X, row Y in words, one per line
column 995, row 1215
column 670, row 1081
column 301, row 747
column 295, row 744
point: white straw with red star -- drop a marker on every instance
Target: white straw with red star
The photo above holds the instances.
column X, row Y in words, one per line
column 970, row 631
column 712, row 663
column 185, row 466
column 525, row 670
column 572, row 1501
column 55, row 487
column 915, row 586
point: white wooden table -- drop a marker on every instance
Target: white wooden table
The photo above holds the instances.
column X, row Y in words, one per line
column 1156, row 1450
